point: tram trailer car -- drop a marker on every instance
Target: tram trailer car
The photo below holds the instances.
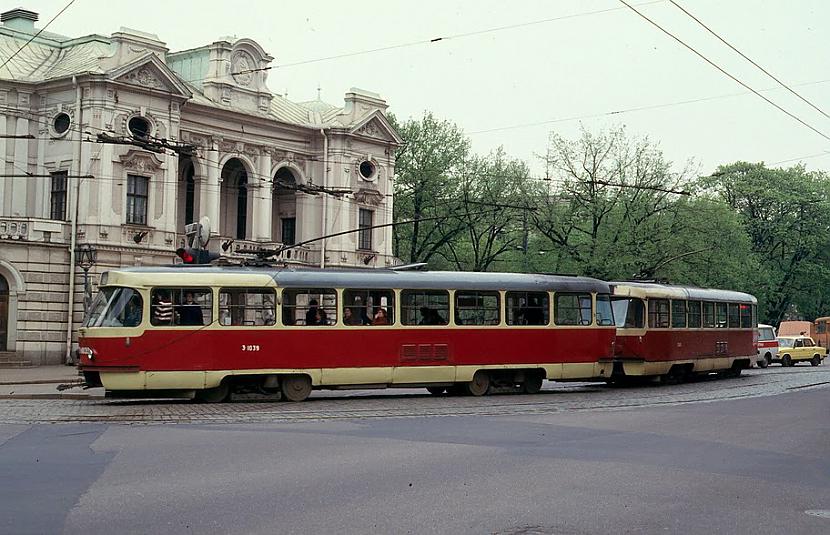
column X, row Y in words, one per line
column 678, row 331
column 207, row 331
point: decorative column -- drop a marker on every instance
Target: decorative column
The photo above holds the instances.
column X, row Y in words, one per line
column 209, row 193
column 262, row 198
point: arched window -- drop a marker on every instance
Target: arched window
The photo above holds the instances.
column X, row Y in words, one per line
column 234, row 200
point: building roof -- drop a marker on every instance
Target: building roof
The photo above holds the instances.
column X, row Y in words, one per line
column 51, row 56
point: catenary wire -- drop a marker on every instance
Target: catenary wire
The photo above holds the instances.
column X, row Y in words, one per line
column 35, row 36
column 724, row 41
column 725, row 72
column 427, row 41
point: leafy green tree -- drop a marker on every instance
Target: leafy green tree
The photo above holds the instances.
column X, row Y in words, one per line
column 785, row 213
column 487, row 205
column 608, row 209
column 427, row 169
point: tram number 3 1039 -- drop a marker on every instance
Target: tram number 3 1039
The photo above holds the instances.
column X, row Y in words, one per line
column 246, row 347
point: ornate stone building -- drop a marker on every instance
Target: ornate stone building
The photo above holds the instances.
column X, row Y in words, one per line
column 256, row 167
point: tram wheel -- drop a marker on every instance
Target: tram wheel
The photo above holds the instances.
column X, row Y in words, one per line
column 214, row 395
column 786, row 361
column 296, row 387
column 815, row 361
column 533, row 383
column 436, row 390
column 480, row 384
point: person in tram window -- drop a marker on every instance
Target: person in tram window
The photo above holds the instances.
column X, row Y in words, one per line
column 322, row 318
column 430, row 316
column 531, row 313
column 311, row 315
column 380, row 317
column 350, row 318
column 190, row 313
column 132, row 316
column 162, row 309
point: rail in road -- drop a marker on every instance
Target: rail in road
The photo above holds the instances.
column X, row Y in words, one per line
column 407, row 403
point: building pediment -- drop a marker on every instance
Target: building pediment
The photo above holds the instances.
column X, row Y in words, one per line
column 377, row 127
column 149, row 72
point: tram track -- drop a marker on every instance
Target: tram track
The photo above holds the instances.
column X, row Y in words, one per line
column 379, row 405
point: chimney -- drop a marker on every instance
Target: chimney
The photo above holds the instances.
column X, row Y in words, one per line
column 19, row 19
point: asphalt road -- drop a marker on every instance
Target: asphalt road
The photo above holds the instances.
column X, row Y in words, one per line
column 742, row 464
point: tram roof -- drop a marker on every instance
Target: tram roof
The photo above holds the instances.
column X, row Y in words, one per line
column 667, row 291
column 300, row 277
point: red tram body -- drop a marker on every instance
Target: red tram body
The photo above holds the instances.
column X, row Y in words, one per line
column 677, row 331
column 256, row 331
column 208, row 331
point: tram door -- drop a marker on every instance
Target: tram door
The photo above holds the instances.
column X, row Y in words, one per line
column 4, row 313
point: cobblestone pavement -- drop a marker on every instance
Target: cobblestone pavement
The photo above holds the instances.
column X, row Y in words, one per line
column 400, row 403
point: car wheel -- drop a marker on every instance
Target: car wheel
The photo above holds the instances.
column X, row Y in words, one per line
column 815, row 361
column 763, row 363
column 768, row 359
column 786, row 361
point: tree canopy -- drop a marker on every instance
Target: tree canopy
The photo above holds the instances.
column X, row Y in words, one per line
column 612, row 206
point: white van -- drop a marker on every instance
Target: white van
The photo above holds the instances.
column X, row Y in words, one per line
column 767, row 345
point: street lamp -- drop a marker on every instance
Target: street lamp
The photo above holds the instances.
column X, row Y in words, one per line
column 86, row 257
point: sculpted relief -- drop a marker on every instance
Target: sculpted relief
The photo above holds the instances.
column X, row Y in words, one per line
column 241, row 65
column 143, row 77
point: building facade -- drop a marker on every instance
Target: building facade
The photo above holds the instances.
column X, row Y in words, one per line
column 112, row 144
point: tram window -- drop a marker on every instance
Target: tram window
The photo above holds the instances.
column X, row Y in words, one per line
column 678, row 314
column 247, row 306
column 629, row 313
column 694, row 314
column 746, row 316
column 181, row 306
column 116, row 307
column 708, row 314
column 368, row 307
column 605, row 314
column 572, row 309
column 528, row 308
column 309, row 306
column 425, row 307
column 734, row 316
column 821, row 327
column 658, row 313
column 721, row 315
column 476, row 308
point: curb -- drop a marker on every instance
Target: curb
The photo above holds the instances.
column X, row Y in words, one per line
column 59, row 395
column 42, row 382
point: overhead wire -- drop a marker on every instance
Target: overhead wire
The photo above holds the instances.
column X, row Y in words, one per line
column 765, row 71
column 428, row 41
column 19, row 50
column 724, row 71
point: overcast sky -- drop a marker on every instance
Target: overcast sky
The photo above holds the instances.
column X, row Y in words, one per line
column 583, row 65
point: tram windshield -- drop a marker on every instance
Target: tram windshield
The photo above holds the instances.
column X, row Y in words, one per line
column 115, row 306
column 629, row 313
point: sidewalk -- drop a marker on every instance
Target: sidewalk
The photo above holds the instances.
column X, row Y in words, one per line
column 42, row 382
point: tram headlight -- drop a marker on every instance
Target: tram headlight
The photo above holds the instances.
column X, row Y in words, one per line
column 87, row 352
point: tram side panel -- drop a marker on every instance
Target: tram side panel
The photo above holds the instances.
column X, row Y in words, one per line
column 351, row 355
column 656, row 351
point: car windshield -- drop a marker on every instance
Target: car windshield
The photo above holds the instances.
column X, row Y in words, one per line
column 785, row 342
column 115, row 306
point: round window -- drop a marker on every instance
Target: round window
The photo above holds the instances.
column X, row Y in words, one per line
column 61, row 123
column 367, row 170
column 139, row 127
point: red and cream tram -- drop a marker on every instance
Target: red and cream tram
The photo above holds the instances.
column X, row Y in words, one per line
column 209, row 331
column 679, row 331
